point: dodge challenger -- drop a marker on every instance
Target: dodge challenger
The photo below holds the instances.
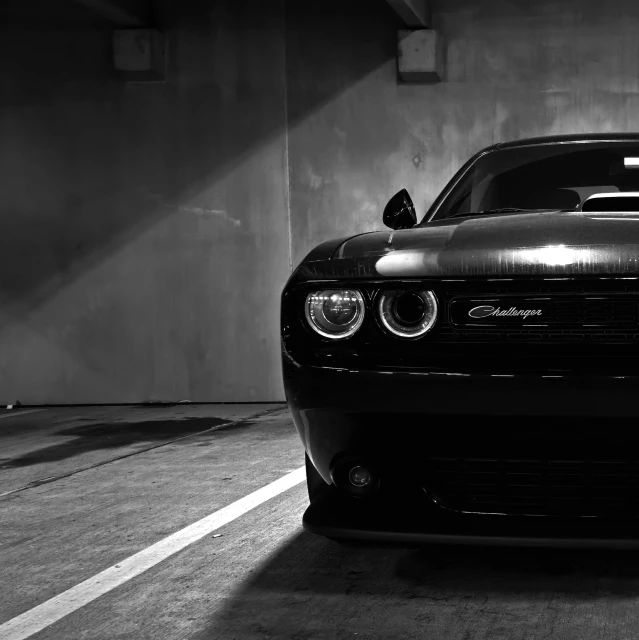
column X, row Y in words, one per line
column 474, row 377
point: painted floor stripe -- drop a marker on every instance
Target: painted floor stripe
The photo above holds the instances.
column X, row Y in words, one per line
column 62, row 605
column 11, row 413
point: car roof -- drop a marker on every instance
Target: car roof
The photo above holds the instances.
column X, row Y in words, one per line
column 579, row 137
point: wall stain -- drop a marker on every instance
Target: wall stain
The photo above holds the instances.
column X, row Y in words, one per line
column 186, row 208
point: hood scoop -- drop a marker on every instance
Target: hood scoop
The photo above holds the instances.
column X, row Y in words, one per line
column 604, row 202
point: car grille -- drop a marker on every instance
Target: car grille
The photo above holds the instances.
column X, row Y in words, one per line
column 605, row 488
column 584, row 316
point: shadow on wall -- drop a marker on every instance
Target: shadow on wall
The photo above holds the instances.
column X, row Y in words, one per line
column 89, row 163
column 314, row 588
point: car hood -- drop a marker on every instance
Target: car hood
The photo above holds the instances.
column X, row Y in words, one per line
column 533, row 244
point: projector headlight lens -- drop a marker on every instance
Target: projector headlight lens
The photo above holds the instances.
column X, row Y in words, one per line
column 335, row 313
column 408, row 314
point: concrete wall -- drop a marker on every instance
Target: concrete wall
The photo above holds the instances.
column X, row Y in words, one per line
column 144, row 237
column 145, row 227
column 514, row 69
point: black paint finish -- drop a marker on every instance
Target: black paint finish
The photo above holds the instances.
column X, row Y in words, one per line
column 529, row 397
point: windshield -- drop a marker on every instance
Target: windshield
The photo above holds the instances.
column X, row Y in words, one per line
column 541, row 177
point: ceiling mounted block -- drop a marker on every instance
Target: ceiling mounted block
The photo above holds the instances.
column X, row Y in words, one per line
column 420, row 56
column 139, row 54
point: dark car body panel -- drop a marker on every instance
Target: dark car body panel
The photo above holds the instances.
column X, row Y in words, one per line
column 562, row 397
column 490, row 246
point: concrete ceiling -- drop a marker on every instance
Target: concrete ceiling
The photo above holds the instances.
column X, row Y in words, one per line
column 414, row 13
column 70, row 12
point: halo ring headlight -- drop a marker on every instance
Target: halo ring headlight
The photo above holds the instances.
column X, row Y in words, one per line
column 335, row 313
column 407, row 314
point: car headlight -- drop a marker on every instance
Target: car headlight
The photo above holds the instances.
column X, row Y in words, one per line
column 408, row 314
column 335, row 313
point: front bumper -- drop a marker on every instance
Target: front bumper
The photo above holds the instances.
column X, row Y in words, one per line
column 392, row 413
column 398, row 420
column 333, row 517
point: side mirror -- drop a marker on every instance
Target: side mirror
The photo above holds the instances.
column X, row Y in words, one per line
column 399, row 213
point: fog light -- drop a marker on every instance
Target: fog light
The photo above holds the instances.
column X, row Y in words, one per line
column 360, row 477
column 355, row 476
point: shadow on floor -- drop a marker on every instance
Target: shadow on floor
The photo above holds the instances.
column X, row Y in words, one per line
column 111, row 435
column 315, row 589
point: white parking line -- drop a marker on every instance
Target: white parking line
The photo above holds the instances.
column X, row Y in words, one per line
column 14, row 414
column 62, row 605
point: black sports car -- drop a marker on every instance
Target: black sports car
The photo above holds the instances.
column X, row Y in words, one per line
column 474, row 377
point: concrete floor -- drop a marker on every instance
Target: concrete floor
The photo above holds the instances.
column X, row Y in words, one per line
column 86, row 488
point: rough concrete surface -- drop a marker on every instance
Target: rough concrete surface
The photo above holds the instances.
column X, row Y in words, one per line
column 266, row 578
column 145, row 235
